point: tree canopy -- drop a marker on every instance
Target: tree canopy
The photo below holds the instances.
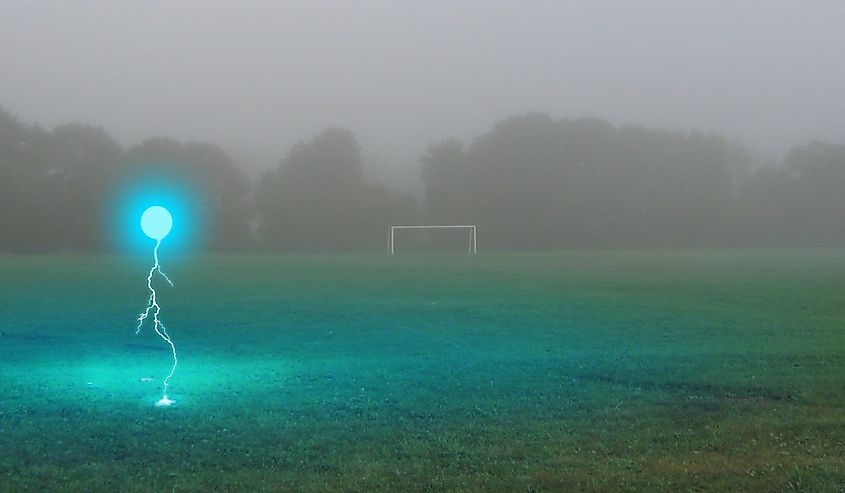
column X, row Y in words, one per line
column 319, row 199
column 530, row 182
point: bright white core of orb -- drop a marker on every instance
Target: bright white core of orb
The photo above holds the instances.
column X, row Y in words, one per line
column 156, row 222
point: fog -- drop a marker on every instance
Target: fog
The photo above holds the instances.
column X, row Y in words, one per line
column 314, row 126
column 256, row 77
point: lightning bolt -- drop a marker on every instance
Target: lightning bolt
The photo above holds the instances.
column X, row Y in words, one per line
column 159, row 328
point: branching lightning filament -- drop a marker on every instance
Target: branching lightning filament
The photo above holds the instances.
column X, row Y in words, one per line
column 154, row 309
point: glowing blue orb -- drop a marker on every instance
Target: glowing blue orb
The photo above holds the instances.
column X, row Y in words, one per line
column 156, row 222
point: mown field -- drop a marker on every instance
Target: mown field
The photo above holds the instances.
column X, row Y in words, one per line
column 577, row 371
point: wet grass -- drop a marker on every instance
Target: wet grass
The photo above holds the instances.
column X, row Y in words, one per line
column 614, row 371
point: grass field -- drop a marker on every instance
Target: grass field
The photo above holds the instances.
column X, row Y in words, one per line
column 616, row 371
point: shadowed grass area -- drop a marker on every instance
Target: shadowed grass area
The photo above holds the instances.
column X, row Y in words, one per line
column 622, row 371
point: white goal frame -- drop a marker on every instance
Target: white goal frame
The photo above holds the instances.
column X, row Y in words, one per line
column 473, row 237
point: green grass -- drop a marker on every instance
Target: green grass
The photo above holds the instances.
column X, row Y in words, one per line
column 599, row 371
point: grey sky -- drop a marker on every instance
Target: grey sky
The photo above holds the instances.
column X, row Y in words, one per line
column 256, row 77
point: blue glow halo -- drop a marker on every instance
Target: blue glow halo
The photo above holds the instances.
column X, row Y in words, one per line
column 166, row 187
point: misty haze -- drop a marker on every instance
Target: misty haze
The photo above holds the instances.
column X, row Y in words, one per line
column 422, row 246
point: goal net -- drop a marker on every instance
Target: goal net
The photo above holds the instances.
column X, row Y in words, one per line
column 469, row 234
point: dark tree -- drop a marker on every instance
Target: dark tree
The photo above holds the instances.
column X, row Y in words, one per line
column 817, row 205
column 85, row 160
column 446, row 179
column 533, row 182
column 30, row 208
column 319, row 199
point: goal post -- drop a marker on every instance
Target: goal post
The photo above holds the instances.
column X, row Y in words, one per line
column 473, row 236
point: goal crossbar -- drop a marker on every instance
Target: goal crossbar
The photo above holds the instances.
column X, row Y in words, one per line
column 473, row 238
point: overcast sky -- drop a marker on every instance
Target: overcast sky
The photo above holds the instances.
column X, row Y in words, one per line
column 255, row 77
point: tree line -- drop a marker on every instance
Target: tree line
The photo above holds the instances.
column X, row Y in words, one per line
column 531, row 182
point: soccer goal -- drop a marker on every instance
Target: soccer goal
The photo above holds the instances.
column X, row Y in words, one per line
column 473, row 237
